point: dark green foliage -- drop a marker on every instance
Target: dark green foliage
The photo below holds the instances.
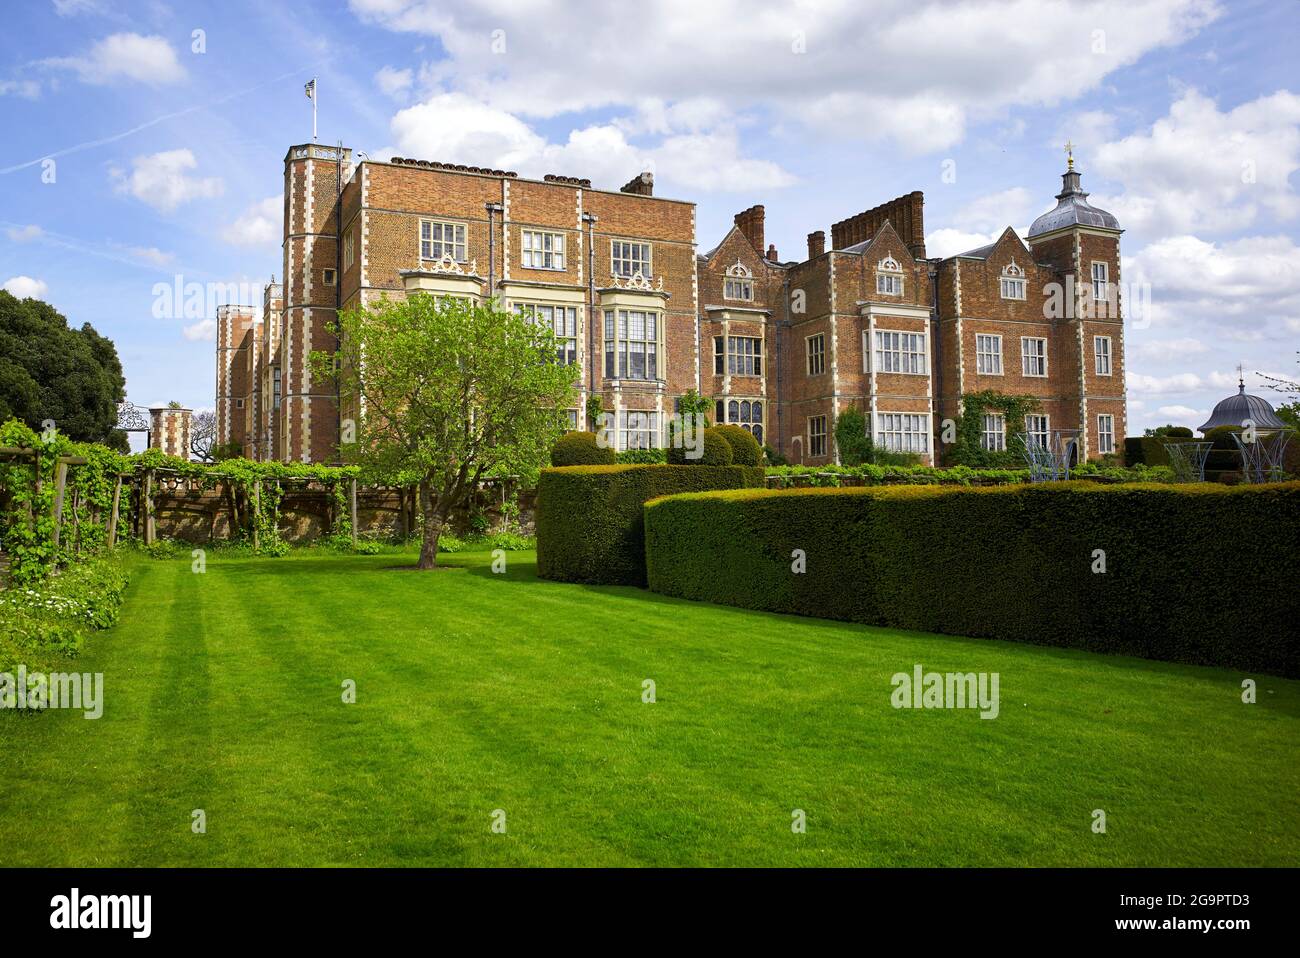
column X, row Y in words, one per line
column 589, row 518
column 1169, row 432
column 774, row 458
column 1013, row 563
column 716, row 452
column 967, row 451
column 851, row 439
column 580, row 449
column 50, row 371
column 642, row 457
column 1223, row 464
column 1147, row 450
column 745, row 450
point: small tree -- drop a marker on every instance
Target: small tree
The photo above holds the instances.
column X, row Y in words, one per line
column 449, row 391
column 851, row 439
column 203, row 435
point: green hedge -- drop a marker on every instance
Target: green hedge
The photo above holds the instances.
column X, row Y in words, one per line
column 1148, row 450
column 589, row 518
column 1194, row 573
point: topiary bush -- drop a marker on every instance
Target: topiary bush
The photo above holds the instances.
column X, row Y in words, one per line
column 580, row 449
column 716, row 451
column 1011, row 562
column 745, row 450
column 589, row 518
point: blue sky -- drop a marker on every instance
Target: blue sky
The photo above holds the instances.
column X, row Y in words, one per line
column 167, row 144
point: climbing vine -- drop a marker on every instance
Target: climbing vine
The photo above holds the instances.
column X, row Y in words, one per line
column 967, row 449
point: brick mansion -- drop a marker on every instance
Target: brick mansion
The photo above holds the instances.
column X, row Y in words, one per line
column 780, row 346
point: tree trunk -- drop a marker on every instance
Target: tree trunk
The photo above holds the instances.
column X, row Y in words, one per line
column 432, row 529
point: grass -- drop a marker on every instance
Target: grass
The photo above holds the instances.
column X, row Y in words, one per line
column 478, row 692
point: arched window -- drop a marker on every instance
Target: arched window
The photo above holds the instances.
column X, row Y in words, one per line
column 1013, row 282
column 744, row 411
column 758, row 433
column 733, row 411
column 889, row 277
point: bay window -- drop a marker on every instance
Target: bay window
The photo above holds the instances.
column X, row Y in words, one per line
column 632, row 338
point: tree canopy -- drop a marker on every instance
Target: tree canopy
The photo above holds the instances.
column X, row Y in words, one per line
column 49, row 370
column 444, row 392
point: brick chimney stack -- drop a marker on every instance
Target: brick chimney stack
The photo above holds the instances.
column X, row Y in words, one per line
column 750, row 222
column 816, row 244
column 772, row 255
column 643, row 184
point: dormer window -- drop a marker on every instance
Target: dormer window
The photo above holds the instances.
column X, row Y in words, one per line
column 889, row 277
column 1013, row 282
column 738, row 283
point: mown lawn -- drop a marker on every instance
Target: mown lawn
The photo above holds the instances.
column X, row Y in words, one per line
column 478, row 692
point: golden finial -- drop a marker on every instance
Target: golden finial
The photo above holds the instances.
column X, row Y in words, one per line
column 1069, row 152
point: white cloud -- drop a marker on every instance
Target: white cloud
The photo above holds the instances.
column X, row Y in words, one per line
column 1084, row 129
column 1199, row 169
column 203, row 330
column 994, row 212
column 261, row 224
column 1182, row 412
column 28, row 89
column 983, row 221
column 24, row 287
column 151, row 254
column 949, row 242
column 71, row 8
column 1178, row 348
column 130, row 56
column 24, row 234
column 393, row 82
column 1178, row 383
column 1246, row 287
column 162, row 180
column 805, row 62
column 455, row 128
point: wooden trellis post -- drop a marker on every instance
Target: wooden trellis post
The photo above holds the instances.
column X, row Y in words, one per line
column 112, row 519
column 147, row 507
column 60, row 486
column 257, row 509
column 354, row 513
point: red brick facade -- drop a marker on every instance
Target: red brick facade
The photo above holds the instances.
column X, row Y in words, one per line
column 780, row 347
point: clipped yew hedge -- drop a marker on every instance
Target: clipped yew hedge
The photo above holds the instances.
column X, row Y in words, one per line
column 590, row 525
column 1195, row 573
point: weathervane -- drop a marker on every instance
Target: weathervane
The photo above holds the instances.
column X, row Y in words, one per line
column 1069, row 152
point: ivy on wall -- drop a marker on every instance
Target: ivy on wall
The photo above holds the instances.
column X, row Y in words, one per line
column 967, row 450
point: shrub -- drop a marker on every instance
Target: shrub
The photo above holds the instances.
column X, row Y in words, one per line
column 642, row 457
column 590, row 522
column 716, row 451
column 46, row 622
column 580, row 449
column 745, row 450
column 774, row 458
column 1013, row 563
column 851, row 439
column 1147, row 450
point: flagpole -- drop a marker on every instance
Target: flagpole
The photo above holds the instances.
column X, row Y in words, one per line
column 315, row 92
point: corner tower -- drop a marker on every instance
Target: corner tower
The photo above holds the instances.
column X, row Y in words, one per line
column 313, row 179
column 1081, row 242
